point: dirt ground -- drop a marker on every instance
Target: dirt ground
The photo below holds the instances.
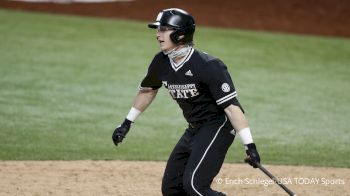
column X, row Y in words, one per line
column 130, row 178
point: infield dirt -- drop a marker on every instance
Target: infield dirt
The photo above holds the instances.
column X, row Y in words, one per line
column 130, row 178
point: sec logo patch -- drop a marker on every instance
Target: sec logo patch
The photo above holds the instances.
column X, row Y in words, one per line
column 225, row 87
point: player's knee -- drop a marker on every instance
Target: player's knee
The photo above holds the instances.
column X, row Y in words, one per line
column 191, row 185
column 189, row 189
column 195, row 186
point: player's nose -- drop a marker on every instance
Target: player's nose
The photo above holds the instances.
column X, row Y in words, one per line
column 157, row 33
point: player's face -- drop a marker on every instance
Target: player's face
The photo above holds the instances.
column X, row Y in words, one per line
column 163, row 37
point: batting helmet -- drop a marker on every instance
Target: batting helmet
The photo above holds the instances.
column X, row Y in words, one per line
column 180, row 20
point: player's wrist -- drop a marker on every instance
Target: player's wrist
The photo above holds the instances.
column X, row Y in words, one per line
column 126, row 123
column 246, row 136
column 133, row 114
column 250, row 146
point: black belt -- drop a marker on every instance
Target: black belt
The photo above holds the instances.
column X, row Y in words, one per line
column 197, row 124
column 200, row 123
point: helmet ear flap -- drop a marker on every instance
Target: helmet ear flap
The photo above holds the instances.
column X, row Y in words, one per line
column 174, row 37
column 177, row 36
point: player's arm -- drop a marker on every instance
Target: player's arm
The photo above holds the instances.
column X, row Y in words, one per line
column 143, row 99
column 148, row 90
column 240, row 125
column 223, row 91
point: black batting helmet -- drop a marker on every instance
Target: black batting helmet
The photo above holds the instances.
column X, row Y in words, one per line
column 180, row 20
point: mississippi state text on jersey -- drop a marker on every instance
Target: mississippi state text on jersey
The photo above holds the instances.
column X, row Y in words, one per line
column 200, row 84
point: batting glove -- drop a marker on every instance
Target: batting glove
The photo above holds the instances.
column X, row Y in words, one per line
column 252, row 155
column 121, row 131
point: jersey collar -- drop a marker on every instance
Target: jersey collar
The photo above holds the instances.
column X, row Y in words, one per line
column 177, row 66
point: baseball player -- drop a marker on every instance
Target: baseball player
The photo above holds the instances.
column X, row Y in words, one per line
column 203, row 88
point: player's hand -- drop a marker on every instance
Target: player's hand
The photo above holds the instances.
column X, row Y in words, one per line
column 121, row 131
column 252, row 155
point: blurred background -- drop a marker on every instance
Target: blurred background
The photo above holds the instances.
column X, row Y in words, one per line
column 320, row 17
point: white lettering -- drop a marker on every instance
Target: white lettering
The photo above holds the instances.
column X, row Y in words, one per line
column 172, row 93
column 183, row 91
column 306, row 181
column 193, row 92
column 179, row 94
column 327, row 182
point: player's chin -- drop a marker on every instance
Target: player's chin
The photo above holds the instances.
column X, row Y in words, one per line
column 165, row 46
column 164, row 49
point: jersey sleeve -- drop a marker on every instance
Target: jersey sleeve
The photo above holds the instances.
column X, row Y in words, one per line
column 216, row 76
column 151, row 79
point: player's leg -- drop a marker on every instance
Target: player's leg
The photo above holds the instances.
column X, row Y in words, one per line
column 208, row 153
column 172, row 183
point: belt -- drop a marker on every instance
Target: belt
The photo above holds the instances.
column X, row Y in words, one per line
column 197, row 124
column 200, row 123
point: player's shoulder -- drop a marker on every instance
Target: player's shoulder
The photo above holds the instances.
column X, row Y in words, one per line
column 158, row 59
column 204, row 57
column 160, row 56
column 208, row 61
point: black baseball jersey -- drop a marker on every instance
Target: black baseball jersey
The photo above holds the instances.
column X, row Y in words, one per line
column 200, row 84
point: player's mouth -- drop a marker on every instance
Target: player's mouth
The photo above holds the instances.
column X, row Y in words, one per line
column 159, row 40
